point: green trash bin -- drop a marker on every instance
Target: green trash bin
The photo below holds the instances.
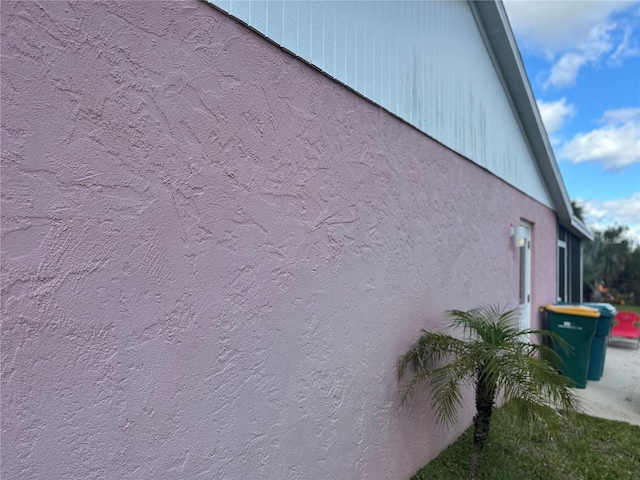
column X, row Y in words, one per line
column 576, row 325
column 599, row 343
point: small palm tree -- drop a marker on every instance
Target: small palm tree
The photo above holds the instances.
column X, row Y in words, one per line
column 499, row 359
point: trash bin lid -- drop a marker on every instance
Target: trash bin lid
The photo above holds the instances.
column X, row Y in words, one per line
column 606, row 309
column 577, row 310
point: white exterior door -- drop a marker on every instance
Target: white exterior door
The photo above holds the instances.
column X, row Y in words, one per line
column 525, row 275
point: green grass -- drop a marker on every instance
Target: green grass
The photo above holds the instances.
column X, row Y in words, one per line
column 598, row 450
column 628, row 308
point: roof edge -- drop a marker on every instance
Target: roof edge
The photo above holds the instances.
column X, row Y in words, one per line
column 578, row 228
column 509, row 61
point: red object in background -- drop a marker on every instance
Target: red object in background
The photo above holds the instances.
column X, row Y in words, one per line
column 627, row 325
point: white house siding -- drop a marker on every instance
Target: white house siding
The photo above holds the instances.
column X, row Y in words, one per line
column 424, row 61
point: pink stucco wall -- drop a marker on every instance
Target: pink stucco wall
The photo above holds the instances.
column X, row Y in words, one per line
column 212, row 254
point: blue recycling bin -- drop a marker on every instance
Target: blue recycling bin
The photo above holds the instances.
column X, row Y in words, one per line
column 599, row 342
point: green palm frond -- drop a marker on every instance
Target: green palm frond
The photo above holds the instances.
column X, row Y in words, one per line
column 491, row 324
column 534, row 380
column 430, row 349
column 434, row 359
column 445, row 385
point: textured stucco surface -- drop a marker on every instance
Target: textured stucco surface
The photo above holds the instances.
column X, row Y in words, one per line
column 212, row 254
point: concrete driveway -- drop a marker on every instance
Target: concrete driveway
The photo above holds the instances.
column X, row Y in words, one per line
column 616, row 396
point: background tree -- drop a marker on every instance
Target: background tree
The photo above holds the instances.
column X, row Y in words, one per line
column 578, row 210
column 629, row 279
column 609, row 260
column 616, row 253
column 593, row 258
column 499, row 359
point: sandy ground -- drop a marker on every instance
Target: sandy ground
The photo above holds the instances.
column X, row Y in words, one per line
column 616, row 396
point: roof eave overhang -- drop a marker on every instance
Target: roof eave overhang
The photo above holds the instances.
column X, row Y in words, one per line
column 502, row 41
column 579, row 229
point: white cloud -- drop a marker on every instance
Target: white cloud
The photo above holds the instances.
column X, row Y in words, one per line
column 621, row 115
column 565, row 71
column 553, row 26
column 575, row 34
column 628, row 47
column 599, row 215
column 554, row 114
column 634, row 234
column 616, row 144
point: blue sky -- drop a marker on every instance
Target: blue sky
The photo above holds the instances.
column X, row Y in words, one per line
column 583, row 62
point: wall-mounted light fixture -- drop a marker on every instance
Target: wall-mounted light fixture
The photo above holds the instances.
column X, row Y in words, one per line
column 519, row 235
